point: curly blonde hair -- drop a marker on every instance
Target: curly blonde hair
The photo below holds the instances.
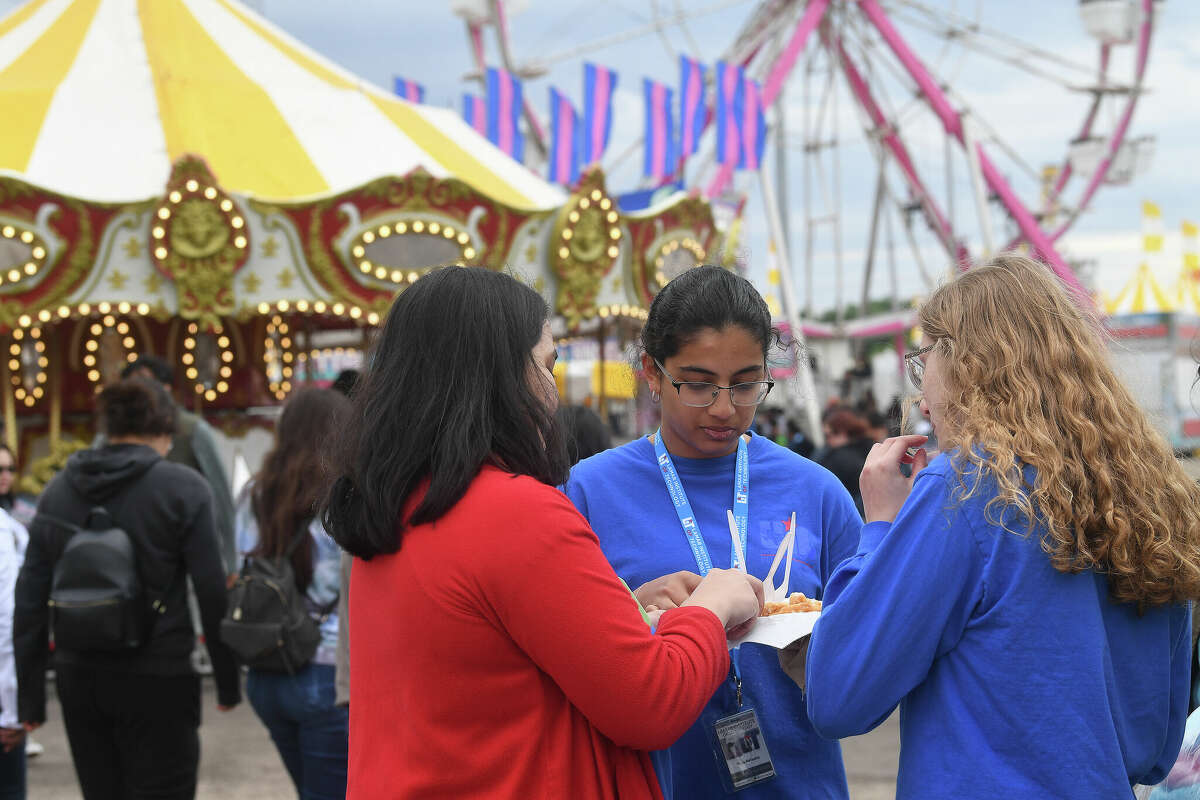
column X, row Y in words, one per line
column 1028, row 381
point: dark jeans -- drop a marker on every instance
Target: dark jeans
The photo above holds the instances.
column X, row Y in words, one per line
column 12, row 773
column 132, row 737
column 310, row 732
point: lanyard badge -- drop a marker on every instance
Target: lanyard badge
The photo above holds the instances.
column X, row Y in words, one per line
column 737, row 739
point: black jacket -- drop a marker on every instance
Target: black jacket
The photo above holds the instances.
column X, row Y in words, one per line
column 167, row 510
column 846, row 462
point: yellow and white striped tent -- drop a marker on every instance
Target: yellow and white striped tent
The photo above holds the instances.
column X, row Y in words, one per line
column 1141, row 295
column 100, row 97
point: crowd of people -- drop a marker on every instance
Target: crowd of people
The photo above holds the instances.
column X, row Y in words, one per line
column 477, row 596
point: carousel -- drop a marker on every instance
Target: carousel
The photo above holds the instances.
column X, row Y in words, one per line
column 183, row 179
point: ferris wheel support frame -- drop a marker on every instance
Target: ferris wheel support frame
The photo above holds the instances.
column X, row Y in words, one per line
column 1031, row 231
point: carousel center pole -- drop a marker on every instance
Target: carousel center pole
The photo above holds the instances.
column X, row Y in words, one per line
column 55, row 389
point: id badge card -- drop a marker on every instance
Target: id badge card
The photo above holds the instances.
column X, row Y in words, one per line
column 743, row 749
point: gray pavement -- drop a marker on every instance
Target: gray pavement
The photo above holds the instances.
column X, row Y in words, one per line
column 238, row 761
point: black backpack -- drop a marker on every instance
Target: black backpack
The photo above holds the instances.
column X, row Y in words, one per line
column 97, row 601
column 267, row 622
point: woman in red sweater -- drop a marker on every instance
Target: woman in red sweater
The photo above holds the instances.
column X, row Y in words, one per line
column 494, row 653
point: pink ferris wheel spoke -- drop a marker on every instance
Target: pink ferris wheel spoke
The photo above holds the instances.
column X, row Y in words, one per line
column 937, row 100
column 787, row 59
column 938, row 221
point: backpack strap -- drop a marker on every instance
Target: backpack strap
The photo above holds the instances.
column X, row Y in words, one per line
column 301, row 532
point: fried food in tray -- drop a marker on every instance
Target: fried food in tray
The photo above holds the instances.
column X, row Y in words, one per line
column 796, row 603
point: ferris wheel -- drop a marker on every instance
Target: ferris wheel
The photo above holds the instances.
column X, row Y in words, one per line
column 949, row 180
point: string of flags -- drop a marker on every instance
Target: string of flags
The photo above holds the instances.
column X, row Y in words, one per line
column 675, row 118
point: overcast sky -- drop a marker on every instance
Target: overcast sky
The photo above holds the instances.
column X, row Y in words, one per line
column 426, row 42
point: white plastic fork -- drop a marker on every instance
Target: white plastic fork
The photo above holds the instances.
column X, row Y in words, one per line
column 787, row 547
column 739, row 558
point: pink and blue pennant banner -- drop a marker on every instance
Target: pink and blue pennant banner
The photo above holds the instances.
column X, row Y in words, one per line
column 691, row 105
column 599, row 83
column 504, row 104
column 660, row 158
column 731, row 99
column 475, row 113
column 564, row 139
column 411, row 91
column 754, row 125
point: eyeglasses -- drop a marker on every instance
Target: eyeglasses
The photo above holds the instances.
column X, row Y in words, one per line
column 915, row 366
column 697, row 394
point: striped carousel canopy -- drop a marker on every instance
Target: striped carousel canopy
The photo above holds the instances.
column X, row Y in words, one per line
column 1141, row 295
column 101, row 96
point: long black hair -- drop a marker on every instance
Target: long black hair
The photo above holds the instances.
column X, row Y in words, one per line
column 445, row 391
column 705, row 297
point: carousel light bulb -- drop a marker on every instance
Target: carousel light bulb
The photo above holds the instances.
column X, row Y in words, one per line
column 143, row 309
column 338, row 309
column 210, row 193
column 287, row 357
column 563, row 252
column 585, row 203
column 64, row 311
column 128, row 342
column 189, row 343
column 226, row 356
column 20, row 393
column 97, row 329
column 14, row 364
column 27, row 237
column 131, row 357
column 36, row 333
column 285, row 342
column 24, row 321
column 463, row 238
column 381, row 273
column 158, row 232
column 187, row 358
column 192, row 185
column 319, row 306
column 89, row 360
column 14, row 275
column 122, row 327
column 192, row 373
column 240, row 242
column 358, row 251
column 355, row 312
column 175, row 196
column 227, row 205
column 397, row 276
column 606, row 204
column 302, row 305
column 412, row 277
column 210, row 395
column 434, row 228
column 237, row 222
column 567, row 234
column 468, row 252
column 596, row 194
column 123, row 307
column 368, row 237
column 39, row 346
column 614, row 251
column 226, row 372
column 418, row 226
column 29, row 402
column 164, row 213
column 263, row 308
column 39, row 252
column 401, row 228
column 9, row 231
column 93, row 375
column 373, row 318
column 199, row 389
column 30, row 268
column 612, row 217
column 287, row 372
column 40, row 378
column 282, row 305
column 448, row 232
column 222, row 386
column 385, row 231
column 615, row 234
column 160, row 253
column 109, row 320
column 222, row 341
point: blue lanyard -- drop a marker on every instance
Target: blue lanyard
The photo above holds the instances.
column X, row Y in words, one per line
column 687, row 519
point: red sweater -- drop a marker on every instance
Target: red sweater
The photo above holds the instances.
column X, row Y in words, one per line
column 497, row 655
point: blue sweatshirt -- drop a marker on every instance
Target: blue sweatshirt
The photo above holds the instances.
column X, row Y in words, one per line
column 622, row 494
column 1013, row 679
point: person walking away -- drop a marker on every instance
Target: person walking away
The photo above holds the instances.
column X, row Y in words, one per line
column 13, row 537
column 194, row 444
column 20, row 505
column 299, row 710
column 1024, row 597
column 131, row 716
column 660, row 507
column 495, row 654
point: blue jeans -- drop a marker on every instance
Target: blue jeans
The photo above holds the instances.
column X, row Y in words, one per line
column 310, row 732
column 12, row 773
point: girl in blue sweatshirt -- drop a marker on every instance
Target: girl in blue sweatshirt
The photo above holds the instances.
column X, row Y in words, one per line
column 1024, row 596
column 659, row 506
